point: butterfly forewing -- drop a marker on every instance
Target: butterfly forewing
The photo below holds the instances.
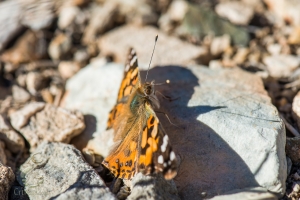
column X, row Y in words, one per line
column 130, row 81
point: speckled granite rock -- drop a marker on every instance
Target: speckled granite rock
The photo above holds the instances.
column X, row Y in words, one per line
column 57, row 170
column 7, row 177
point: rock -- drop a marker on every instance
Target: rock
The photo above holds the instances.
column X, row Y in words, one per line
column 147, row 187
column 13, row 141
column 219, row 45
column 20, row 119
column 19, row 94
column 59, row 46
column 274, row 49
column 138, row 12
column 101, row 20
column 293, row 150
column 285, row 10
column 38, row 14
column 258, row 193
column 294, row 37
column 67, row 16
column 235, row 11
column 9, row 22
column 215, row 64
column 198, row 21
column 167, row 50
column 3, row 158
column 296, row 109
column 241, row 55
column 39, row 122
column 29, row 47
column 34, row 82
column 281, row 66
column 7, row 178
column 57, row 170
column 67, row 69
column 232, row 130
column 81, row 56
column 95, row 107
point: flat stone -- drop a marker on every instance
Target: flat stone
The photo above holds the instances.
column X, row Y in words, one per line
column 20, row 94
column 232, row 130
column 7, row 177
column 257, row 193
column 57, row 170
column 12, row 140
column 39, row 122
column 281, row 66
column 235, row 11
column 169, row 49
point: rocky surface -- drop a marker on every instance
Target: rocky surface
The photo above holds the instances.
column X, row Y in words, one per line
column 7, row 177
column 13, row 141
column 233, row 133
column 43, row 43
column 39, row 122
column 57, row 170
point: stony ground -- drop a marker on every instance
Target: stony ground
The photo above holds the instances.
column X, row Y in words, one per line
column 235, row 66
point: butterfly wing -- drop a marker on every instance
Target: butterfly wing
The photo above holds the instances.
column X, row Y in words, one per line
column 145, row 151
column 131, row 80
column 156, row 154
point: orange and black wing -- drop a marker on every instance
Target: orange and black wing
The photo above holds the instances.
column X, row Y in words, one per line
column 131, row 80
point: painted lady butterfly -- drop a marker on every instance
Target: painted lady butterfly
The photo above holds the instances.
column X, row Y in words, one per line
column 141, row 144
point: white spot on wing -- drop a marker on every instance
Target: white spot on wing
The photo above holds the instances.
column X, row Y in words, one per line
column 127, row 67
column 132, row 51
column 172, row 156
column 165, row 143
column 160, row 159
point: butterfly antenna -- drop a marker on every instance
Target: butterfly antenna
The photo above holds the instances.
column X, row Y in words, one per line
column 151, row 57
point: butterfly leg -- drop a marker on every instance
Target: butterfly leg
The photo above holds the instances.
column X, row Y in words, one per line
column 167, row 118
column 166, row 97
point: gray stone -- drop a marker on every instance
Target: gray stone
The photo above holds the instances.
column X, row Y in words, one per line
column 235, row 11
column 233, row 136
column 152, row 187
column 57, row 170
column 13, row 141
column 169, row 49
column 281, row 66
column 39, row 122
column 7, row 177
column 20, row 94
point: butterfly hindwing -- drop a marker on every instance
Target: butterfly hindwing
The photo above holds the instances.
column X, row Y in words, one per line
column 156, row 154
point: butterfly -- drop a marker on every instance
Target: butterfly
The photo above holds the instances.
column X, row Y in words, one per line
column 141, row 144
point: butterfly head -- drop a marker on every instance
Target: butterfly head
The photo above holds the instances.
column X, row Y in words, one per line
column 149, row 94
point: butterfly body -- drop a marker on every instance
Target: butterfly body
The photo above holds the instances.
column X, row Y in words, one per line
column 141, row 144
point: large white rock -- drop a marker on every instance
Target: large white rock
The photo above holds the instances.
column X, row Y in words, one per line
column 233, row 137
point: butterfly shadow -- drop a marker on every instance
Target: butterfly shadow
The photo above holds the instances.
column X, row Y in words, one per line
column 207, row 163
